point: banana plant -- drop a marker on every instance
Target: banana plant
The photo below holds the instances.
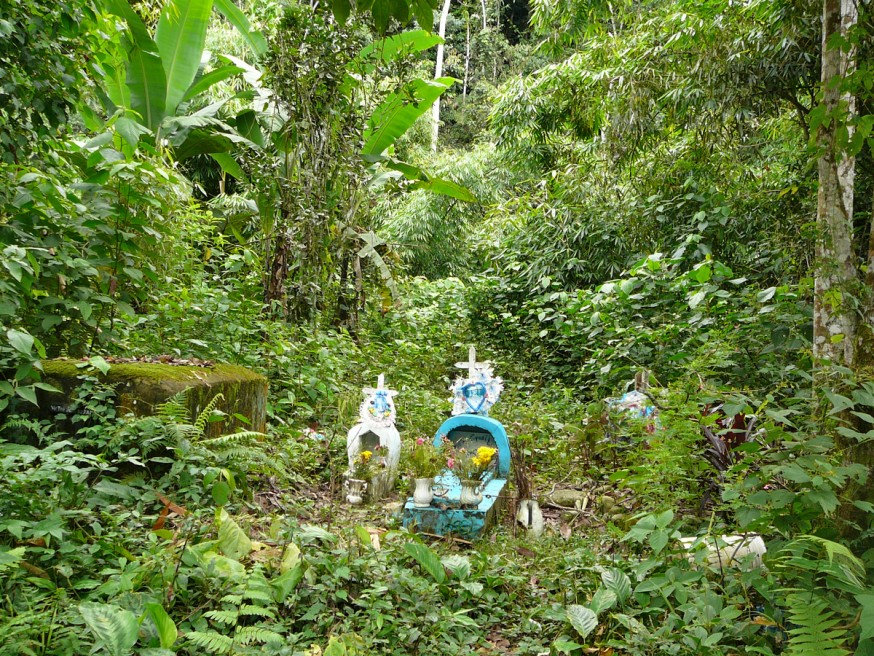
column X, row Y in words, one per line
column 159, row 73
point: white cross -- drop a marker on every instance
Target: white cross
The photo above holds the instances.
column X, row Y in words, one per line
column 380, row 385
column 471, row 365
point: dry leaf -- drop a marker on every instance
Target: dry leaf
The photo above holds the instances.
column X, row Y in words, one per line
column 179, row 510
column 159, row 523
column 565, row 531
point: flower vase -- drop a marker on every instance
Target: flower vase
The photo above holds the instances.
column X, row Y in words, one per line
column 471, row 494
column 422, row 494
column 355, row 489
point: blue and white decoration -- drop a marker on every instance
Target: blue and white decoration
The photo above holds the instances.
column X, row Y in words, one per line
column 378, row 407
column 451, row 512
column 377, row 423
column 477, row 392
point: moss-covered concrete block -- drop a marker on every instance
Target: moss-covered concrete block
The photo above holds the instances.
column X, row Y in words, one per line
column 141, row 387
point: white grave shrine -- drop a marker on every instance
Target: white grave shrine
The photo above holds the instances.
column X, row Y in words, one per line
column 376, row 432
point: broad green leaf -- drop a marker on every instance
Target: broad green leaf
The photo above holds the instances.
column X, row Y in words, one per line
column 397, row 113
column 253, row 38
column 137, row 30
column 424, row 13
column 616, row 580
column 27, row 393
column 115, row 628
column 341, row 10
column 290, row 557
column 663, row 519
column 20, row 341
column 696, row 299
column 230, row 166
column 602, row 600
column 309, row 533
column 11, row 557
column 839, row 402
column 385, row 50
column 285, row 583
column 423, row 181
column 336, row 647
column 247, row 125
column 202, row 141
column 232, row 540
column 180, row 37
column 221, row 492
column 457, row 564
column 658, row 540
column 167, row 632
column 565, row 646
column 115, row 81
column 147, row 84
column 866, row 619
column 99, row 363
column 583, row 619
column 381, row 13
column 211, row 78
column 371, row 241
column 429, row 560
column 446, row 188
column 363, row 536
column 130, row 130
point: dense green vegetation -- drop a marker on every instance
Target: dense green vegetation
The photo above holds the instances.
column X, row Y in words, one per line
column 677, row 193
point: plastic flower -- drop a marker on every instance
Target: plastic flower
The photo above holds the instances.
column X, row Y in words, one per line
column 450, row 463
column 485, row 454
column 366, row 456
column 420, row 441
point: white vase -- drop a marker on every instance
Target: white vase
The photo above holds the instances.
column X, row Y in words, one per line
column 422, row 494
column 470, row 496
column 355, row 489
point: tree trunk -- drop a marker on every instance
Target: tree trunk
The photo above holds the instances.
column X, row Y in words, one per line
column 834, row 321
column 484, row 14
column 466, row 62
column 438, row 71
column 274, row 290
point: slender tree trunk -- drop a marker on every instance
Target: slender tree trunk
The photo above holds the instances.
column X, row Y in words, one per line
column 274, row 291
column 834, row 322
column 438, row 71
column 484, row 14
column 466, row 62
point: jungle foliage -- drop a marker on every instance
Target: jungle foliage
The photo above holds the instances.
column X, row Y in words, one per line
column 621, row 192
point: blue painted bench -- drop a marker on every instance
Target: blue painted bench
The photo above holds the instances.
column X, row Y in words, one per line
column 445, row 516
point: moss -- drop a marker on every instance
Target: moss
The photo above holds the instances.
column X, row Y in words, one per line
column 66, row 368
column 141, row 387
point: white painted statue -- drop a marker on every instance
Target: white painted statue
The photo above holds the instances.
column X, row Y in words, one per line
column 376, row 432
column 477, row 392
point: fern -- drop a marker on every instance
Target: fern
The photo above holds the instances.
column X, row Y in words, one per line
column 256, row 611
column 210, row 641
column 815, row 633
column 240, row 623
column 203, row 418
column 248, row 635
column 226, row 617
column 175, row 409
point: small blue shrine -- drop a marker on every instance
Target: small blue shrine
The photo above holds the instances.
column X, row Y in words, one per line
column 469, row 428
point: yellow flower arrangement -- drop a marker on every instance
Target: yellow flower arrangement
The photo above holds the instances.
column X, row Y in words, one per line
column 471, row 465
column 362, row 468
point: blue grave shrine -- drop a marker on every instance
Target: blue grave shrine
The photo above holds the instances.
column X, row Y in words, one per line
column 470, row 427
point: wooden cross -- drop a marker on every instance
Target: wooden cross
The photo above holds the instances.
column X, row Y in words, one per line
column 471, row 365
